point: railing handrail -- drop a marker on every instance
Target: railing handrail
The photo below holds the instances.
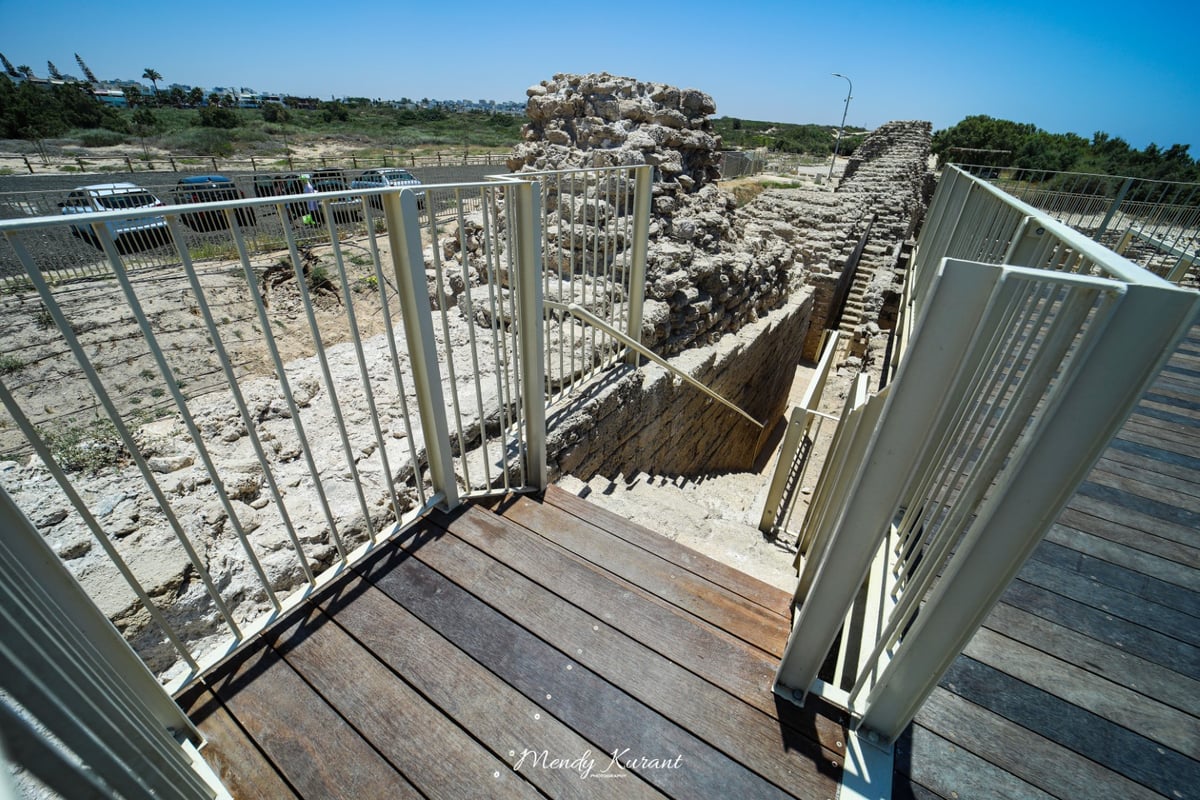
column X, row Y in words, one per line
column 1115, row 265
column 1032, row 344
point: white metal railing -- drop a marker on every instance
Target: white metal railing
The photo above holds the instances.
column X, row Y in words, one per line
column 1160, row 218
column 1023, row 363
column 595, row 223
column 335, row 451
column 804, row 425
column 325, row 394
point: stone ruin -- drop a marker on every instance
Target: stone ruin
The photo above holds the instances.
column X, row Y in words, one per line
column 704, row 278
column 783, row 268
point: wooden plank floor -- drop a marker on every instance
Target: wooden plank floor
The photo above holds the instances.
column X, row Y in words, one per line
column 511, row 652
column 1085, row 680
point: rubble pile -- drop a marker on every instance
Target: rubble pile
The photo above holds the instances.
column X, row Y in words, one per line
column 704, row 278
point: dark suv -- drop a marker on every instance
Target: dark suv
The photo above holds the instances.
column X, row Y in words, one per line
column 210, row 189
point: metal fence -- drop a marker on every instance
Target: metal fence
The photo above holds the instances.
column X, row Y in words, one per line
column 313, row 398
column 1153, row 223
column 741, row 163
column 265, row 227
column 1031, row 344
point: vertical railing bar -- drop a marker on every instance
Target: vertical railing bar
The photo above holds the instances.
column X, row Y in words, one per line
column 368, row 392
column 60, row 476
column 126, row 437
column 517, row 364
column 43, row 633
column 928, row 474
column 238, row 397
column 43, row 702
column 576, row 273
column 1053, row 342
column 189, row 422
column 240, row 401
column 485, row 444
column 492, row 259
column 990, row 378
column 385, row 309
column 323, row 362
column 281, row 372
column 372, row 245
column 449, row 347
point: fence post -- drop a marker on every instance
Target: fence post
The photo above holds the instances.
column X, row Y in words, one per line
column 128, row 164
column 637, row 269
column 1113, row 209
column 173, row 167
column 530, row 327
column 28, row 166
column 408, row 262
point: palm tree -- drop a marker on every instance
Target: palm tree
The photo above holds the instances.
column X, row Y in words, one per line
column 87, row 73
column 154, row 76
column 53, row 72
column 26, row 70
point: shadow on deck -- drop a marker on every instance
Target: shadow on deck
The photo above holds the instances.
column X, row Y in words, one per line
column 513, row 652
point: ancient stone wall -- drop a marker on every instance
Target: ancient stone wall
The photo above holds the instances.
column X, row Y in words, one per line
column 646, row 419
column 885, row 186
column 705, row 277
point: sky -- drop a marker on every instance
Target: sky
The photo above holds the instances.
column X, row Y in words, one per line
column 1127, row 69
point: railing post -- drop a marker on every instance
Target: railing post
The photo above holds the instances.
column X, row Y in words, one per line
column 637, row 269
column 65, row 663
column 529, row 320
column 404, row 236
column 1113, row 209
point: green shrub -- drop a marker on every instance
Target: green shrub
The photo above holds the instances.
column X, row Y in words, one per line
column 86, row 448
column 100, row 137
column 10, row 364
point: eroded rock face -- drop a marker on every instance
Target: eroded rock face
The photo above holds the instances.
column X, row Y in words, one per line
column 605, row 120
column 705, row 276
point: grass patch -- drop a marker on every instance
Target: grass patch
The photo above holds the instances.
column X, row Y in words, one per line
column 10, row 364
column 86, row 448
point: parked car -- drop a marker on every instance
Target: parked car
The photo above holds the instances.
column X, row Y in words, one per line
column 130, row 235
column 210, row 189
column 384, row 177
column 344, row 209
column 280, row 185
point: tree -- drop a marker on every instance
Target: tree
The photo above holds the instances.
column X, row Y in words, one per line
column 9, row 69
column 195, row 96
column 214, row 99
column 176, row 96
column 273, row 112
column 154, row 76
column 133, row 96
column 26, row 71
column 87, row 73
column 53, row 72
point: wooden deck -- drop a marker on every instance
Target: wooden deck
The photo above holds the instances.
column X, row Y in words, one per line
column 511, row 652
column 1085, row 680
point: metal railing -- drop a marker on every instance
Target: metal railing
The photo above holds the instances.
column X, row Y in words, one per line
column 266, row 227
column 431, row 393
column 305, row 403
column 1031, row 346
column 1153, row 223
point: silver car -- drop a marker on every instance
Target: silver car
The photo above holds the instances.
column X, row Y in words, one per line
column 137, row 233
column 384, row 177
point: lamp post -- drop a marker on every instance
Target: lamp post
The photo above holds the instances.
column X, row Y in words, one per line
column 846, row 110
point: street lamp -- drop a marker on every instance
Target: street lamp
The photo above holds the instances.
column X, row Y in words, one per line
column 846, row 110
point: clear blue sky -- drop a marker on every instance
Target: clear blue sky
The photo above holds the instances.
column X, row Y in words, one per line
column 1126, row 68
